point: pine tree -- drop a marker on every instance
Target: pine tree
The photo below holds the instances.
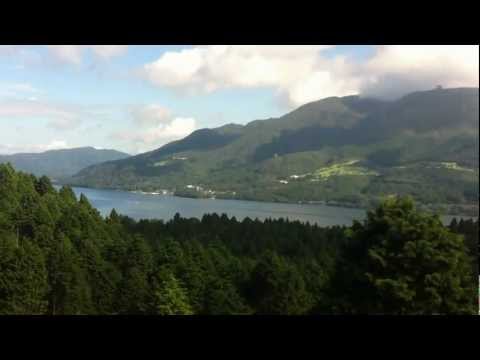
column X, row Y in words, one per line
column 23, row 279
column 278, row 288
column 134, row 287
column 70, row 293
column 43, row 185
column 169, row 297
column 400, row 261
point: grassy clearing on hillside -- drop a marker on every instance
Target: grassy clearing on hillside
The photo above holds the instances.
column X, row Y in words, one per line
column 453, row 166
column 161, row 163
column 344, row 169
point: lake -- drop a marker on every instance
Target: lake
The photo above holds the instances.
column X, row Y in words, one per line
column 147, row 206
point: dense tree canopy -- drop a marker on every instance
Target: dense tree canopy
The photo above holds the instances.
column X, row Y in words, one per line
column 58, row 255
column 401, row 261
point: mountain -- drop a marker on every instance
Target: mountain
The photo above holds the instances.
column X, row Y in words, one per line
column 348, row 150
column 61, row 163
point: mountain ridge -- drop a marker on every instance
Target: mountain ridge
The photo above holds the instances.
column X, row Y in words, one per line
column 60, row 163
column 421, row 133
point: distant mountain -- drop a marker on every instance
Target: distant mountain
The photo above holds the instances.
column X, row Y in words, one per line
column 341, row 149
column 61, row 163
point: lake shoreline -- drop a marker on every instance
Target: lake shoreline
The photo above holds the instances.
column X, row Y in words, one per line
column 313, row 211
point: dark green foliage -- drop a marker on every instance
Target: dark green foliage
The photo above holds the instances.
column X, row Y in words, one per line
column 469, row 230
column 169, row 297
column 400, row 261
column 43, row 185
column 59, row 256
column 203, row 139
column 136, row 269
column 278, row 288
column 70, row 292
column 23, row 278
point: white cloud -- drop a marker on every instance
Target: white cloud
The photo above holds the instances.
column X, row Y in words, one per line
column 399, row 69
column 109, row 51
column 56, row 144
column 63, row 54
column 19, row 108
column 60, row 117
column 300, row 74
column 177, row 128
column 393, row 58
column 73, row 54
column 8, row 50
column 150, row 115
column 209, row 68
column 154, row 127
column 24, row 55
column 319, row 85
column 162, row 133
column 15, row 149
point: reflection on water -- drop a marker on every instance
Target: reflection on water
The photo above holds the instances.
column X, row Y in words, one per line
column 146, row 206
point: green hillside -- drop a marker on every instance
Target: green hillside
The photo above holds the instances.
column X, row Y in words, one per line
column 61, row 163
column 398, row 147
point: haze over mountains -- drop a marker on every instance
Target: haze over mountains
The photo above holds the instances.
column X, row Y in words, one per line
column 62, row 163
column 339, row 149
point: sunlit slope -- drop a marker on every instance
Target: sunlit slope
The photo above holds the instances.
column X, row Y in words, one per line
column 396, row 146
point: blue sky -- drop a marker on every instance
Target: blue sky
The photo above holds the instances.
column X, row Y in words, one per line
column 137, row 98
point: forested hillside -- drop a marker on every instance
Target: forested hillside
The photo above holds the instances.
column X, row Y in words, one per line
column 59, row 256
column 348, row 150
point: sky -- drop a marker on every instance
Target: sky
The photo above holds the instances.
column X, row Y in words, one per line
column 136, row 98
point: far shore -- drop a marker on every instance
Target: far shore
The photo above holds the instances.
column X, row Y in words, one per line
column 474, row 213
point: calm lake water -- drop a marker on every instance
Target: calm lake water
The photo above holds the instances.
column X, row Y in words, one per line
column 146, row 206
